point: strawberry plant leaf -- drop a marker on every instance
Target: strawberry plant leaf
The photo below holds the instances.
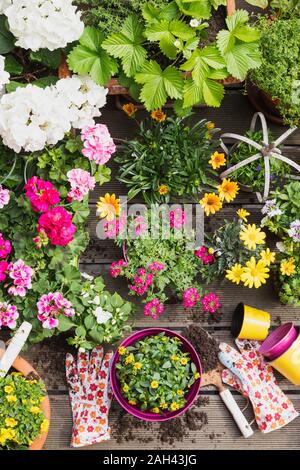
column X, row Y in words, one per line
column 89, row 57
column 166, row 33
column 127, row 45
column 213, row 92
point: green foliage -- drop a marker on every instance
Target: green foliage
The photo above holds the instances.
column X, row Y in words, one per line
column 199, row 9
column 228, row 250
column 286, row 8
column 171, row 153
column 7, row 40
column 279, row 73
column 89, row 57
column 253, row 174
column 21, row 419
column 155, row 374
column 175, row 251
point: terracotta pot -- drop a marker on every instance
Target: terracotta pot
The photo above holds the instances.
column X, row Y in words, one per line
column 20, row 365
column 263, row 102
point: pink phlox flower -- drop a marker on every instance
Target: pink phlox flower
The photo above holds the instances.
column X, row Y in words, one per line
column 153, row 308
column 210, row 303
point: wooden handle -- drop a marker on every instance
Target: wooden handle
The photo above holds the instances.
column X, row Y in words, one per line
column 230, row 7
column 238, row 416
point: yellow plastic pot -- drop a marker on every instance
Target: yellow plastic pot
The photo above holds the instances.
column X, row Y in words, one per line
column 288, row 364
column 250, row 323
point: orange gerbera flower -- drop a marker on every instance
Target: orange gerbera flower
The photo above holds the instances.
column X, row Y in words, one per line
column 211, row 203
column 158, row 115
column 228, row 190
column 163, row 189
column 217, row 160
column 130, row 109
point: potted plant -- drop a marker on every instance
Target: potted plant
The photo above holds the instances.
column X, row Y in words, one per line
column 24, row 409
column 156, row 374
column 281, row 217
column 183, row 72
column 274, row 86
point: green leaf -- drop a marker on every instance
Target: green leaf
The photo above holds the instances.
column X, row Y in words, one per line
column 159, row 84
column 12, row 66
column 127, row 45
column 89, row 57
column 192, row 94
column 238, row 18
column 102, row 175
column 180, row 110
column 225, row 41
column 196, row 8
column 7, row 40
column 48, row 58
column 65, row 323
column 80, row 331
column 166, row 33
column 152, row 14
column 258, row 3
column 237, row 62
column 201, row 60
column 247, row 34
column 213, row 92
column 13, row 85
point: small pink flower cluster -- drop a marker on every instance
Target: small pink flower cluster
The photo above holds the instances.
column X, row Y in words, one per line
column 4, row 197
column 50, row 306
column 8, row 315
column 5, row 247
column 153, row 309
column 210, row 303
column 98, row 145
column 204, row 255
column 57, row 225
column 21, row 275
column 190, row 297
column 112, row 228
column 156, row 266
column 140, row 225
column 41, row 194
column 141, row 282
column 177, row 218
column 116, row 267
column 81, row 183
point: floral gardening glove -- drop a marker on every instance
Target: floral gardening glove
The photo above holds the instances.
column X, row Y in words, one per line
column 90, row 395
column 249, row 374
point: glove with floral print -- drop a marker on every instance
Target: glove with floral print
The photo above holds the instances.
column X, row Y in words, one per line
column 249, row 374
column 90, row 395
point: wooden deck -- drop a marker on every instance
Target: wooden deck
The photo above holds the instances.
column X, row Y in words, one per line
column 215, row 427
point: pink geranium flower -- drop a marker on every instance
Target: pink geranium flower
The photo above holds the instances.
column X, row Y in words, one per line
column 3, row 270
column 5, row 247
column 153, row 309
column 190, row 297
column 98, row 145
column 21, row 275
column 177, row 218
column 204, row 255
column 41, row 194
column 81, row 183
column 4, row 197
column 50, row 306
column 210, row 303
column 8, row 315
column 57, row 224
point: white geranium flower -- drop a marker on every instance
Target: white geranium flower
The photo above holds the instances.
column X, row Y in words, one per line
column 102, row 316
column 43, row 24
column 4, row 76
column 32, row 117
column 87, row 276
column 3, row 5
column 84, row 97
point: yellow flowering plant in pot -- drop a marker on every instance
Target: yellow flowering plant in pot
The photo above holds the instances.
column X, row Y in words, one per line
column 237, row 251
column 24, row 411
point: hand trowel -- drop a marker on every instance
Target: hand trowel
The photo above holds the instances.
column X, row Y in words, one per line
column 212, row 374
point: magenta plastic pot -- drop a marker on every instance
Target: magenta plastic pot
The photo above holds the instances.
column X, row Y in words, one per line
column 135, row 411
column 279, row 341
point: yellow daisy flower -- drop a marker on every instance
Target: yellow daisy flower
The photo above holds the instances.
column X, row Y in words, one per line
column 155, row 410
column 108, row 207
column 11, row 398
column 174, row 357
column 184, row 361
column 129, row 359
column 10, row 422
column 252, row 236
column 154, row 384
column 132, row 402
column 126, row 388
column 217, row 160
column 163, row 406
column 287, row 267
column 243, row 214
column 268, row 256
column 158, row 115
column 211, row 203
column 197, row 375
column 8, row 389
column 234, row 274
column 35, row 410
column 122, row 350
column 163, row 189
column 137, row 366
column 210, row 125
column 174, row 406
column 45, row 425
column 179, row 393
column 130, row 109
column 228, row 190
column 255, row 273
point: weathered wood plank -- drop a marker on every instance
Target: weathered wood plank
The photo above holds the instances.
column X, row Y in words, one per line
column 48, row 358
column 220, row 432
